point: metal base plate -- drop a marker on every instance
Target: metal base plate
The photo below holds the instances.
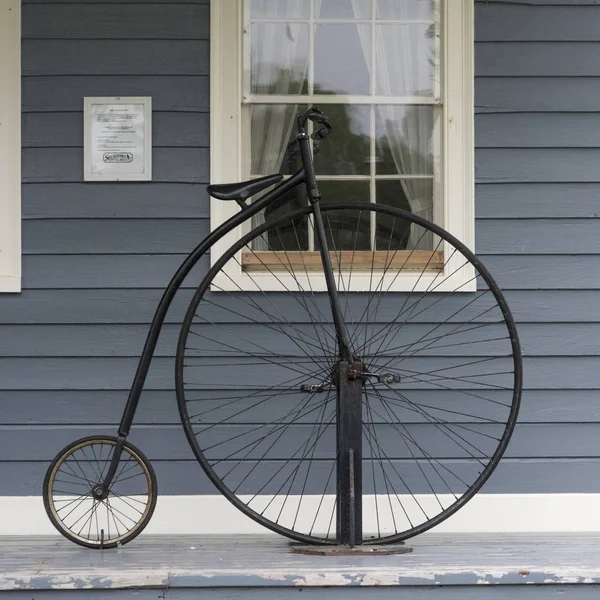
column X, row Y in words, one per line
column 362, row 550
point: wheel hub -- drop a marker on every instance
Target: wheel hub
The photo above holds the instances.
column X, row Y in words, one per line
column 365, row 374
column 99, row 493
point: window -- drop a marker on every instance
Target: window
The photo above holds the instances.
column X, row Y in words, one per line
column 10, row 146
column 394, row 76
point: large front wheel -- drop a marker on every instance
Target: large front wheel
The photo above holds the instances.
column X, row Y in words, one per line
column 257, row 367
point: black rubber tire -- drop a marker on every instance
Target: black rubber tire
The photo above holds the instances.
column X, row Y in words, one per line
column 515, row 359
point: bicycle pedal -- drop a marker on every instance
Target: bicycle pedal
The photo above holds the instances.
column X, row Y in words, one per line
column 312, row 388
column 387, row 378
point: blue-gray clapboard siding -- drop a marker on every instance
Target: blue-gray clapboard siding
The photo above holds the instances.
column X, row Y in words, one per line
column 97, row 255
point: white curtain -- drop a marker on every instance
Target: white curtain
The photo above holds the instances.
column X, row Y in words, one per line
column 408, row 133
column 280, row 64
column 270, row 132
column 403, row 66
column 401, row 70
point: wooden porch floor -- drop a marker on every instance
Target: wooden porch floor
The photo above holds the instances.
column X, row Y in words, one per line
column 256, row 561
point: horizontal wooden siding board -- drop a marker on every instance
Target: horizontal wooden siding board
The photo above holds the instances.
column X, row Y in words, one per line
column 498, row 94
column 95, row 407
column 537, row 130
column 185, row 200
column 537, row 200
column 114, row 57
column 538, row 236
column 115, row 21
column 137, row 306
column 113, row 236
column 512, row 272
column 535, row 59
column 169, row 92
column 537, row 165
column 537, row 339
column 178, row 236
column 168, row 442
column 65, row 165
column 527, row 23
column 156, row 407
column 187, row 477
column 132, row 200
column 551, row 373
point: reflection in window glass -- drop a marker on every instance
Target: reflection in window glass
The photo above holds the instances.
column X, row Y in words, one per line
column 406, row 10
column 279, row 58
column 344, row 9
column 414, row 195
column 293, row 234
column 405, row 59
column 404, row 135
column 352, row 228
column 391, row 193
column 276, row 9
column 340, row 61
column 344, row 191
column 385, row 145
column 348, row 151
column 273, row 127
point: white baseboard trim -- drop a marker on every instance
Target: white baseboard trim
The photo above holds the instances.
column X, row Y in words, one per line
column 506, row 513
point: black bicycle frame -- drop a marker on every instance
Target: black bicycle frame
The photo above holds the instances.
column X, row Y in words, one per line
column 165, row 302
column 349, row 383
column 348, row 380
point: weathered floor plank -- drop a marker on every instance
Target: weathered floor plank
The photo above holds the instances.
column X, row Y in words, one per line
column 266, row 561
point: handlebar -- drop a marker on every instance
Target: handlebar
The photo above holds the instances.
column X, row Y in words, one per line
column 316, row 116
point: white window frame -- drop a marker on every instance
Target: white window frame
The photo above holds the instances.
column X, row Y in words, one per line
column 226, row 144
column 10, row 145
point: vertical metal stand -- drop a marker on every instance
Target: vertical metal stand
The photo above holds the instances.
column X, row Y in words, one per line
column 349, row 473
column 349, row 460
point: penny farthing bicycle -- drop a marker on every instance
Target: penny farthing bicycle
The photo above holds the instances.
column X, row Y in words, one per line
column 333, row 409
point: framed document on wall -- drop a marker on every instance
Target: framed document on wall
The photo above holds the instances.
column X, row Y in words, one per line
column 117, row 138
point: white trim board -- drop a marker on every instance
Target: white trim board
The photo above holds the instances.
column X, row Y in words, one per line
column 10, row 145
column 505, row 513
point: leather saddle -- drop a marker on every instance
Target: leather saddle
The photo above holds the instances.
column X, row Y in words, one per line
column 242, row 190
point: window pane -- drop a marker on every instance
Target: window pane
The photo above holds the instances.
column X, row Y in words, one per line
column 294, row 234
column 344, row 9
column 405, row 64
column 347, row 151
column 390, row 193
column 272, row 128
column 404, row 140
column 352, row 229
column 279, row 58
column 406, row 10
column 275, row 9
column 336, row 191
column 341, row 66
column 412, row 195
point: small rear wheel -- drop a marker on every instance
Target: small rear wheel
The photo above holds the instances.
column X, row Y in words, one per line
column 71, row 494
